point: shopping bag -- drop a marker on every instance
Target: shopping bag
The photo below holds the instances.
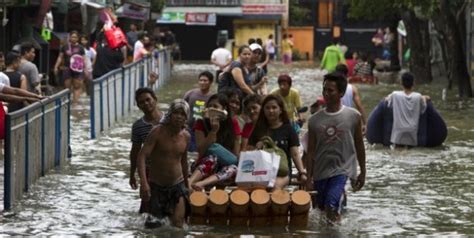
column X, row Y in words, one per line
column 256, row 169
column 115, row 37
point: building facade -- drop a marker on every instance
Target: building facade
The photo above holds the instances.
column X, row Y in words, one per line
column 200, row 21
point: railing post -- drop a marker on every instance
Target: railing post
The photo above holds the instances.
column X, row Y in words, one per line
column 101, row 96
column 123, row 92
column 7, row 182
column 92, row 112
column 115, row 99
column 42, row 141
column 69, row 150
column 108, row 103
column 27, row 164
column 57, row 133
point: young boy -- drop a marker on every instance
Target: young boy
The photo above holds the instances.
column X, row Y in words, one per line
column 335, row 146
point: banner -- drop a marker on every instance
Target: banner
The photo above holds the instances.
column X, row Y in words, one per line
column 134, row 11
column 172, row 17
column 263, row 9
column 206, row 19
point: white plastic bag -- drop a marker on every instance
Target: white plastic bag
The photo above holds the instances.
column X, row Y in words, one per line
column 257, row 169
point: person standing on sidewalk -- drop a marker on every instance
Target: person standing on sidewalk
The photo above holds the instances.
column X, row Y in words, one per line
column 16, row 79
column 107, row 59
column 29, row 69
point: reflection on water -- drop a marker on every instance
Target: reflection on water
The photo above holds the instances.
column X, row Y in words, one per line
column 418, row 191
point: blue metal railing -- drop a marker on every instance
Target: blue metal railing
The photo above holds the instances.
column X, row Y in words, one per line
column 28, row 155
column 113, row 94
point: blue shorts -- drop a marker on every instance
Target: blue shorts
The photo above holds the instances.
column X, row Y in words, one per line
column 330, row 192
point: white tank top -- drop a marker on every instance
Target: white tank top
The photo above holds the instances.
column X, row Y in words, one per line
column 348, row 97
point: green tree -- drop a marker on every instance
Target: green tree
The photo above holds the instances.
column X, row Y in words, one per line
column 448, row 18
column 416, row 27
column 157, row 5
column 300, row 13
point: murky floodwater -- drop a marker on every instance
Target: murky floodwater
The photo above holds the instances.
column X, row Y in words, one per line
column 407, row 192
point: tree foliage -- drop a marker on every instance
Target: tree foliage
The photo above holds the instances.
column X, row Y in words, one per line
column 157, row 5
column 448, row 17
column 379, row 9
column 300, row 13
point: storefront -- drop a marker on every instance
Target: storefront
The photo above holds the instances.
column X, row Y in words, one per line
column 196, row 29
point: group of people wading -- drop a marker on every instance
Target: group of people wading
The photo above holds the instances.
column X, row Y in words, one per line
column 161, row 142
column 242, row 114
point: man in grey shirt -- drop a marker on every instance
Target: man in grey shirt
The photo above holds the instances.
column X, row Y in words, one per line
column 335, row 147
column 407, row 108
column 28, row 68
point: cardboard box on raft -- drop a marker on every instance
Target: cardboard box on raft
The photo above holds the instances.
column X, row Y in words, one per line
column 256, row 208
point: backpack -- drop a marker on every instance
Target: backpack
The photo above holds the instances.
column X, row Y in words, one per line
column 226, row 82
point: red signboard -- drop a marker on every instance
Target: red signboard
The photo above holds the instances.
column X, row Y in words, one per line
column 263, row 9
column 208, row 19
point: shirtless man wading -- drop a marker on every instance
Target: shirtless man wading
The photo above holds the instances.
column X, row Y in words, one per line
column 166, row 146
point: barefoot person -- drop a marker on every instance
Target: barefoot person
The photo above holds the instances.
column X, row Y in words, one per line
column 166, row 186
column 335, row 146
column 147, row 102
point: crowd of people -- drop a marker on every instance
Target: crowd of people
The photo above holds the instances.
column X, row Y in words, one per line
column 19, row 78
column 219, row 126
column 81, row 58
column 240, row 117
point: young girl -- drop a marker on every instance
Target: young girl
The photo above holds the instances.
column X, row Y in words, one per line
column 273, row 121
column 72, row 55
column 209, row 131
column 234, row 106
column 252, row 106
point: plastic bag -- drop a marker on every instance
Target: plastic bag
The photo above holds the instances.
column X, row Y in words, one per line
column 270, row 146
column 257, row 169
column 115, row 37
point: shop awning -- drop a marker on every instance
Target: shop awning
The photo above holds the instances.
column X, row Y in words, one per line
column 91, row 3
column 133, row 11
column 221, row 11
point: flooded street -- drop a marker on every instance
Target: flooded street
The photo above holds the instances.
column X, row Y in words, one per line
column 407, row 192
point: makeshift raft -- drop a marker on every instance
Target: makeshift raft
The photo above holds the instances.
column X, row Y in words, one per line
column 254, row 208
